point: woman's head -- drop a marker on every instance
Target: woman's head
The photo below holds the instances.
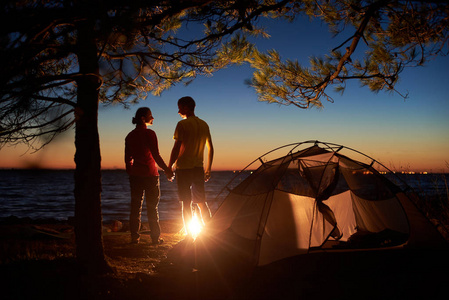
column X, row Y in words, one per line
column 143, row 116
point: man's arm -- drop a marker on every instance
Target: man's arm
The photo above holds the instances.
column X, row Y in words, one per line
column 174, row 153
column 210, row 158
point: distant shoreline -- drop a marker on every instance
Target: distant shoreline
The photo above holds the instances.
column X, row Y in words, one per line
column 235, row 171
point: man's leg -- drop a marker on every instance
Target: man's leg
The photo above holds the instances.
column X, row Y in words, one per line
column 186, row 215
column 204, row 212
column 199, row 194
column 183, row 179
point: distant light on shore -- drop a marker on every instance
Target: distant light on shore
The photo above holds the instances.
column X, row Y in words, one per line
column 405, row 172
column 412, row 173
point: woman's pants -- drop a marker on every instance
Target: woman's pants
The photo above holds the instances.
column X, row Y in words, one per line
column 147, row 187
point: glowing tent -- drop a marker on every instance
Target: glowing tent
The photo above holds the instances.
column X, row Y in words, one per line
column 313, row 197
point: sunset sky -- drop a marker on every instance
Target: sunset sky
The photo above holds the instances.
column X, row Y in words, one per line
column 410, row 135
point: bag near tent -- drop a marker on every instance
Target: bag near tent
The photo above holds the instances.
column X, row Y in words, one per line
column 308, row 200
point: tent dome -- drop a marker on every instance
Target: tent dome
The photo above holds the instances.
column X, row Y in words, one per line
column 314, row 196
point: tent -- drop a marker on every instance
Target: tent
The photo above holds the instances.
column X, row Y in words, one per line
column 312, row 198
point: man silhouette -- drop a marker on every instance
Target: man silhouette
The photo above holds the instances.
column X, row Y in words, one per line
column 191, row 137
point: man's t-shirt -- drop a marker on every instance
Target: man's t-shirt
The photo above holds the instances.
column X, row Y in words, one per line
column 193, row 133
column 139, row 145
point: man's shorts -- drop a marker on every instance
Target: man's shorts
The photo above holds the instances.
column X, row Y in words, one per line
column 191, row 185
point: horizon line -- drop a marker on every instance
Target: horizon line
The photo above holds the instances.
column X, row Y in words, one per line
column 218, row 170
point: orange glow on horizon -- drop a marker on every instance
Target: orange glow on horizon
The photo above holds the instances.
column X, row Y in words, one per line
column 61, row 156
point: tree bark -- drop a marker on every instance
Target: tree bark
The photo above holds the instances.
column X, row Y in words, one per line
column 88, row 218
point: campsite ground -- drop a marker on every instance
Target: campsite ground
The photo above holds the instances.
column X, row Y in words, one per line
column 37, row 262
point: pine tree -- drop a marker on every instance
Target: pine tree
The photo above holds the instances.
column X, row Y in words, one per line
column 395, row 35
column 62, row 58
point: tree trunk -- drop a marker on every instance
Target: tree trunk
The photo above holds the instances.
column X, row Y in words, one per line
column 88, row 218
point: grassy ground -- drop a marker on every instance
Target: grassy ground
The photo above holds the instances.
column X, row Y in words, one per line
column 37, row 261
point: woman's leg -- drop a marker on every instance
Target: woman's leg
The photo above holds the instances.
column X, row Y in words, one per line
column 152, row 197
column 137, row 189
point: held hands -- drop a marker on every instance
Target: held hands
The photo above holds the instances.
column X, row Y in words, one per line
column 206, row 176
column 170, row 175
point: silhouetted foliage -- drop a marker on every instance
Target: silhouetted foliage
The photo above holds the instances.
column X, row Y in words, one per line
column 385, row 37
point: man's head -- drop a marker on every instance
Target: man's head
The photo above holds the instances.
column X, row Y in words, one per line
column 186, row 106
